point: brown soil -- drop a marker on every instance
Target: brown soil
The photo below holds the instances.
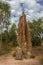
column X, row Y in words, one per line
column 37, row 52
column 8, row 59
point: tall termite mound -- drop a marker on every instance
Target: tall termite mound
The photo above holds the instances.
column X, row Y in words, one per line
column 24, row 37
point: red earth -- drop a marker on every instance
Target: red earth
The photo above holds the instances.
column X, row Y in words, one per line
column 8, row 59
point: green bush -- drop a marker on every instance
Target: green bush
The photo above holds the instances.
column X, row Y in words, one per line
column 14, row 54
column 41, row 60
column 32, row 55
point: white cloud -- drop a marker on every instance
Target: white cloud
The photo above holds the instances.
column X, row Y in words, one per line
column 33, row 9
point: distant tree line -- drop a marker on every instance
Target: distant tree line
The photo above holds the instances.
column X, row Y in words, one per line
column 9, row 35
column 36, row 27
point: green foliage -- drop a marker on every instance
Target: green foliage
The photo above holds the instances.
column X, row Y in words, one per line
column 14, row 54
column 4, row 14
column 36, row 41
column 5, row 36
column 13, row 35
column 36, row 31
column 32, row 55
column 9, row 36
column 41, row 60
column 4, row 21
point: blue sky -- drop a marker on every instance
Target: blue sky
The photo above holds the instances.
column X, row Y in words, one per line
column 33, row 9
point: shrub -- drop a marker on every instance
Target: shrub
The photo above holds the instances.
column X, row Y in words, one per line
column 41, row 60
column 32, row 55
column 14, row 54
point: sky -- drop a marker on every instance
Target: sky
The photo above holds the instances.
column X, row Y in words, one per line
column 32, row 8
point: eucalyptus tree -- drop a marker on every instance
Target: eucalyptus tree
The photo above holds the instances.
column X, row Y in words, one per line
column 36, row 31
column 4, row 17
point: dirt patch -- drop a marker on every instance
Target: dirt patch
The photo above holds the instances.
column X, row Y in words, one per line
column 37, row 52
column 8, row 59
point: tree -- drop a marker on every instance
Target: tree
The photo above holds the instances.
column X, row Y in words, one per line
column 5, row 37
column 36, row 31
column 4, row 17
column 13, row 34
